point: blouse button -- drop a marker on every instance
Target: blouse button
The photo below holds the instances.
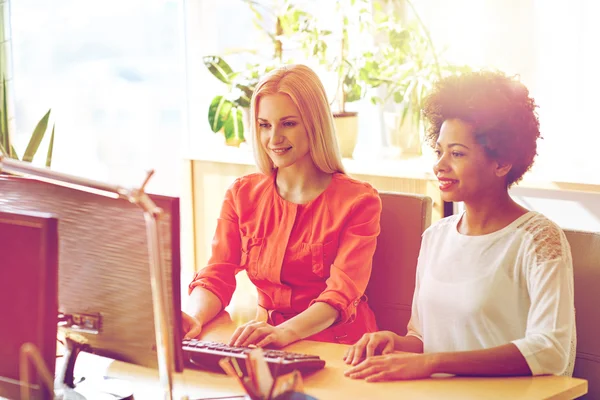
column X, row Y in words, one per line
column 356, row 303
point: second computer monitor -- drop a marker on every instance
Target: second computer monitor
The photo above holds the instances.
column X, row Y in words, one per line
column 28, row 299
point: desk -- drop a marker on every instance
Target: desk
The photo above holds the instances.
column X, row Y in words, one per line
column 330, row 383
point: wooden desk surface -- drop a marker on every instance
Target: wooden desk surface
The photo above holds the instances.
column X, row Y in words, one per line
column 330, row 383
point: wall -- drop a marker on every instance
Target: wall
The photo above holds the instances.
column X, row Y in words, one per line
column 569, row 209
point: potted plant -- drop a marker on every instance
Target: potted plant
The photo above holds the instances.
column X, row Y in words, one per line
column 334, row 52
column 229, row 112
column 350, row 87
column 7, row 148
column 405, row 67
column 281, row 21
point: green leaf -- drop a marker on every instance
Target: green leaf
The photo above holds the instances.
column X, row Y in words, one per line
column 5, row 136
column 244, row 99
column 398, row 97
column 11, row 154
column 50, row 148
column 399, row 39
column 219, row 68
column 376, row 100
column 234, row 127
column 36, row 138
column 404, row 114
column 218, row 112
column 408, row 94
column 353, row 93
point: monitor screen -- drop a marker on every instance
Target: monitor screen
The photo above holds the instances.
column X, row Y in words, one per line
column 104, row 272
column 28, row 296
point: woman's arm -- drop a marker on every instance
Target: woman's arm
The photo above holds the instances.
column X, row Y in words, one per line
column 203, row 305
column 505, row 360
column 351, row 268
column 213, row 286
column 550, row 332
column 382, row 342
column 314, row 319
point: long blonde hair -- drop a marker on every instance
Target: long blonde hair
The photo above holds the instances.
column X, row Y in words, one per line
column 308, row 94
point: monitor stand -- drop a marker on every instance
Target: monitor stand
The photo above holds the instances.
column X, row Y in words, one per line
column 65, row 387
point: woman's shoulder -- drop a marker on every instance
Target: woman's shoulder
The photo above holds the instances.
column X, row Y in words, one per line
column 347, row 186
column 255, row 182
column 543, row 236
column 534, row 222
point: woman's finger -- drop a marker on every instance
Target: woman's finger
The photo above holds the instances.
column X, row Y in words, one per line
column 367, row 363
column 363, row 373
column 194, row 332
column 191, row 327
column 349, row 356
column 359, row 349
column 256, row 335
column 267, row 340
column 236, row 334
column 371, row 347
column 245, row 332
column 389, row 348
column 359, row 354
column 378, row 377
column 241, row 337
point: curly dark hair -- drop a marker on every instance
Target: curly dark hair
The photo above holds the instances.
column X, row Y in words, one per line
column 499, row 108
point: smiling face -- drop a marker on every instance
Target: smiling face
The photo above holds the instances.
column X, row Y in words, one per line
column 282, row 133
column 463, row 168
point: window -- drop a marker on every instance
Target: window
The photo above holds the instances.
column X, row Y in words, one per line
column 113, row 73
column 226, row 28
column 549, row 44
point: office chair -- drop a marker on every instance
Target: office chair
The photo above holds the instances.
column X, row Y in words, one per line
column 585, row 249
column 404, row 218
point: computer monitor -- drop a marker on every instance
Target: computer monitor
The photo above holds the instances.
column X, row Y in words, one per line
column 28, row 297
column 104, row 274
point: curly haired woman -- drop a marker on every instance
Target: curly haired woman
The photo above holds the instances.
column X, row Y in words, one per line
column 494, row 286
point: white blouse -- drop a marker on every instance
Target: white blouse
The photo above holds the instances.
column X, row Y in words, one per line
column 514, row 285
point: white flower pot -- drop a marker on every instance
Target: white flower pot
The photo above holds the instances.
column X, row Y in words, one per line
column 346, row 129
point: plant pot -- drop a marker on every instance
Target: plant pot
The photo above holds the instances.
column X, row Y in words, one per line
column 346, row 130
column 404, row 137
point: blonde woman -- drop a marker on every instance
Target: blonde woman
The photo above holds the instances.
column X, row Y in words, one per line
column 303, row 230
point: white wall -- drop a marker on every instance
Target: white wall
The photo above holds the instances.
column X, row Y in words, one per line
column 570, row 210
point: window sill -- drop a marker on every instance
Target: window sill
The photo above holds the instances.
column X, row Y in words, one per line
column 407, row 167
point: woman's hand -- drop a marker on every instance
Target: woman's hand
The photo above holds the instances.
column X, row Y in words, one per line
column 262, row 334
column 191, row 326
column 382, row 342
column 394, row 366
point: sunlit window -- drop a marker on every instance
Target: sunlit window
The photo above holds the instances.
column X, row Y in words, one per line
column 549, row 44
column 113, row 74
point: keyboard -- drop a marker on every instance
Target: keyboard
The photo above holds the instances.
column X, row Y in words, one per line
column 205, row 355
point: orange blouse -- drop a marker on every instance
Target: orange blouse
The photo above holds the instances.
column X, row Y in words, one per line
column 298, row 254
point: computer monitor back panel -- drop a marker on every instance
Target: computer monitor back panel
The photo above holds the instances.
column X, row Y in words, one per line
column 104, row 265
column 28, row 295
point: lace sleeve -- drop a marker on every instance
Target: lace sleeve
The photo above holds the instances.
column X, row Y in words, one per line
column 548, row 242
column 550, row 337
